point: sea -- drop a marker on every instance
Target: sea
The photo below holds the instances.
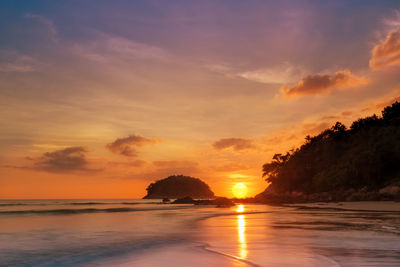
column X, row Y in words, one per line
column 136, row 232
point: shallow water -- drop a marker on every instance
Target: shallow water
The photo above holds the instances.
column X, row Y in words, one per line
column 147, row 233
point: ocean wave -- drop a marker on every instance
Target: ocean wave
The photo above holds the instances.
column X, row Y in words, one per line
column 207, row 248
column 79, row 211
column 12, row 204
column 74, row 203
column 108, row 203
column 85, row 254
column 343, row 209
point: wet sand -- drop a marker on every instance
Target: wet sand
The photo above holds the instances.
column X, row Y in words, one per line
column 310, row 237
column 286, row 236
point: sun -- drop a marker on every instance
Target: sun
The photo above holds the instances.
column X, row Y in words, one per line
column 239, row 190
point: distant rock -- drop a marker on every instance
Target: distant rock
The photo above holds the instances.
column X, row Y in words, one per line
column 223, row 202
column 184, row 200
column 220, row 202
column 392, row 191
column 179, row 186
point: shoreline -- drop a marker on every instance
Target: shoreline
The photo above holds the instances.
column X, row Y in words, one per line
column 390, row 192
column 245, row 235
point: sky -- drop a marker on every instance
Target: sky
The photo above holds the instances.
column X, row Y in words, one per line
column 100, row 98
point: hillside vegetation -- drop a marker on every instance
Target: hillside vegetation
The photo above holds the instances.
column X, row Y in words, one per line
column 359, row 163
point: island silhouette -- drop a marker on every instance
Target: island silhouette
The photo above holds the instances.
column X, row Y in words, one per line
column 179, row 186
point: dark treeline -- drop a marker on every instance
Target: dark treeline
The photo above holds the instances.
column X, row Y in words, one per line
column 365, row 156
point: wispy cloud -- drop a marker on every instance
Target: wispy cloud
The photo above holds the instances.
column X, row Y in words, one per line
column 12, row 61
column 279, row 74
column 379, row 104
column 392, row 22
column 48, row 23
column 106, row 47
column 387, row 52
column 323, row 83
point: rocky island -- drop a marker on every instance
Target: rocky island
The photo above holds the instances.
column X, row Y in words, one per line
column 179, row 186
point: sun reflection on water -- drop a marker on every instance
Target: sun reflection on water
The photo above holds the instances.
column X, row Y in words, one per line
column 241, row 233
column 240, row 208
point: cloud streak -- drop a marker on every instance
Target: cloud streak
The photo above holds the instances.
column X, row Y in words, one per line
column 236, row 144
column 278, row 74
column 232, row 166
column 127, row 146
column 12, row 61
column 323, row 83
column 108, row 48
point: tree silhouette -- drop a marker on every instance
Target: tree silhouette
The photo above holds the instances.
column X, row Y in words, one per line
column 366, row 155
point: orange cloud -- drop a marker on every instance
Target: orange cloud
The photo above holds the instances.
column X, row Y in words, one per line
column 235, row 143
column 378, row 106
column 386, row 53
column 127, row 146
column 314, row 128
column 346, row 113
column 319, row 83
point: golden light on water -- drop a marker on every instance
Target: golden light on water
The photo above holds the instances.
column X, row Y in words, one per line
column 240, row 208
column 240, row 190
column 242, row 236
